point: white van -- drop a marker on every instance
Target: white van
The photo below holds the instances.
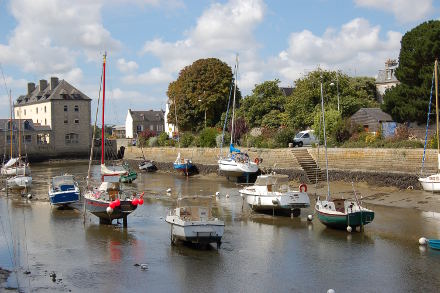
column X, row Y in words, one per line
column 306, row 137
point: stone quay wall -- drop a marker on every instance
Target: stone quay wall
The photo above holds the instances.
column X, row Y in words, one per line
column 388, row 167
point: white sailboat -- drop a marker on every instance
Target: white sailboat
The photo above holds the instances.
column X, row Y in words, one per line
column 271, row 192
column 192, row 221
column 237, row 163
column 432, row 182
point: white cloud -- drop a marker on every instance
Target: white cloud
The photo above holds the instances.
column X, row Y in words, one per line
column 127, row 66
column 221, row 31
column 356, row 49
column 153, row 76
column 50, row 35
column 403, row 10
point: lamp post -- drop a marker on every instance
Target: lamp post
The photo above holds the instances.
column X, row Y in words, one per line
column 337, row 87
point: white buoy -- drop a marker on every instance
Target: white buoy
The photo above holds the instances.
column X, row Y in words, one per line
column 227, row 195
column 168, row 190
column 422, row 241
column 349, row 229
column 143, row 266
column 109, row 210
column 330, row 291
column 29, row 196
column 217, row 193
column 310, row 217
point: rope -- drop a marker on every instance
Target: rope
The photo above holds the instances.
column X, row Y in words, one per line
column 427, row 125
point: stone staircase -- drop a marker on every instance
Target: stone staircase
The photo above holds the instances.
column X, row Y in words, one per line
column 308, row 164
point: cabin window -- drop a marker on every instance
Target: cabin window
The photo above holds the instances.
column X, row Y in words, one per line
column 76, row 121
column 65, row 108
column 71, row 138
column 76, row 108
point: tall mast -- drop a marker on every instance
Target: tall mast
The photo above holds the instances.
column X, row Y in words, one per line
column 177, row 127
column 103, row 106
column 19, row 136
column 10, row 124
column 436, row 109
column 325, row 142
column 233, row 101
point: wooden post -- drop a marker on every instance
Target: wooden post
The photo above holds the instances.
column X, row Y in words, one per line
column 124, row 222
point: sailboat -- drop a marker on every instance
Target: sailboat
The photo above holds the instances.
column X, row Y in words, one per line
column 181, row 164
column 340, row 213
column 108, row 202
column 237, row 163
column 432, row 182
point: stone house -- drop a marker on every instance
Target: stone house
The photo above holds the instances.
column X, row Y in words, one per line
column 386, row 78
column 138, row 121
column 62, row 111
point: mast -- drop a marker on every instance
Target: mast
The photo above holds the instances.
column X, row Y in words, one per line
column 325, row 143
column 233, row 101
column 103, row 106
column 436, row 111
column 177, row 127
column 10, row 120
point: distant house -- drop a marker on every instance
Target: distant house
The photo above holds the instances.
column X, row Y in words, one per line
column 138, row 121
column 118, row 131
column 386, row 78
column 373, row 120
column 287, row 91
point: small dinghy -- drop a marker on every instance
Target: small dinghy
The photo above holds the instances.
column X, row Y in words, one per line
column 147, row 165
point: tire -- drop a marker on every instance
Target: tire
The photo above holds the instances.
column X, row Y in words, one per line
column 300, row 144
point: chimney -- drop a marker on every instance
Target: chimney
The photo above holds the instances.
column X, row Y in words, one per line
column 53, row 83
column 31, row 87
column 43, row 84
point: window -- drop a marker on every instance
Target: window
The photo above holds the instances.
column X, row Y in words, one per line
column 45, row 121
column 27, row 138
column 27, row 125
column 36, row 110
column 71, row 138
column 76, row 121
column 306, row 135
column 151, row 127
column 44, row 109
column 65, row 108
column 139, row 128
column 66, row 121
column 8, row 138
column 76, row 108
column 24, row 111
column 43, row 138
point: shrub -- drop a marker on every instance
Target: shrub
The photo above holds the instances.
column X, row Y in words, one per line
column 283, row 136
column 186, row 139
column 207, row 137
column 152, row 142
column 162, row 140
column 240, row 128
column 226, row 139
column 402, row 132
column 144, row 136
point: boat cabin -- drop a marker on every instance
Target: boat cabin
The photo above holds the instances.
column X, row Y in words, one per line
column 273, row 182
column 194, row 213
column 63, row 183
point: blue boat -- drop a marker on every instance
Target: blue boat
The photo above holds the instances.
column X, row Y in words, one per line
column 63, row 190
column 434, row 243
column 183, row 165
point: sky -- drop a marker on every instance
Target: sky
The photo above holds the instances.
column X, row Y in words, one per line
column 149, row 41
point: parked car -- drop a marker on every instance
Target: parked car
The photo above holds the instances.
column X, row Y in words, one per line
column 306, row 137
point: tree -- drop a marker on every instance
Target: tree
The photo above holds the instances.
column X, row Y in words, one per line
column 409, row 100
column 207, row 80
column 266, row 98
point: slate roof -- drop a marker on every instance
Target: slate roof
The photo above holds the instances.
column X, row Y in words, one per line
column 382, row 77
column 287, row 91
column 375, row 113
column 62, row 91
column 151, row 116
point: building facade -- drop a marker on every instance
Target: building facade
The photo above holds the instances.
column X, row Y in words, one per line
column 386, row 78
column 62, row 110
column 138, row 121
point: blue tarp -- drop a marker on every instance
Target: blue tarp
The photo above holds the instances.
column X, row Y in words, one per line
column 232, row 149
column 388, row 129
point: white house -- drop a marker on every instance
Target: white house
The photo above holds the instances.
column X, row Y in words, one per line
column 169, row 127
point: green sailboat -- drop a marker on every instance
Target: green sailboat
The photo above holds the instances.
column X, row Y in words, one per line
column 340, row 213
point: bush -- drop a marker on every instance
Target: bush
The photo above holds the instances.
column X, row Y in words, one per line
column 162, row 140
column 207, row 137
column 152, row 142
column 226, row 139
column 283, row 137
column 186, row 139
column 144, row 136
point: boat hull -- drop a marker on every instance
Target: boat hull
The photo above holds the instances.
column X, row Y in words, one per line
column 434, row 244
column 185, row 168
column 64, row 198
column 130, row 177
column 19, row 182
column 196, row 231
column 16, row 170
column 231, row 168
column 99, row 209
column 431, row 183
column 353, row 220
column 286, row 202
column 147, row 166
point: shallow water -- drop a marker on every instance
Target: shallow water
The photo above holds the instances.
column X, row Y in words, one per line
column 260, row 253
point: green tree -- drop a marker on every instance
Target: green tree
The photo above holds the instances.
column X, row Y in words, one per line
column 409, row 100
column 201, row 86
column 265, row 98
